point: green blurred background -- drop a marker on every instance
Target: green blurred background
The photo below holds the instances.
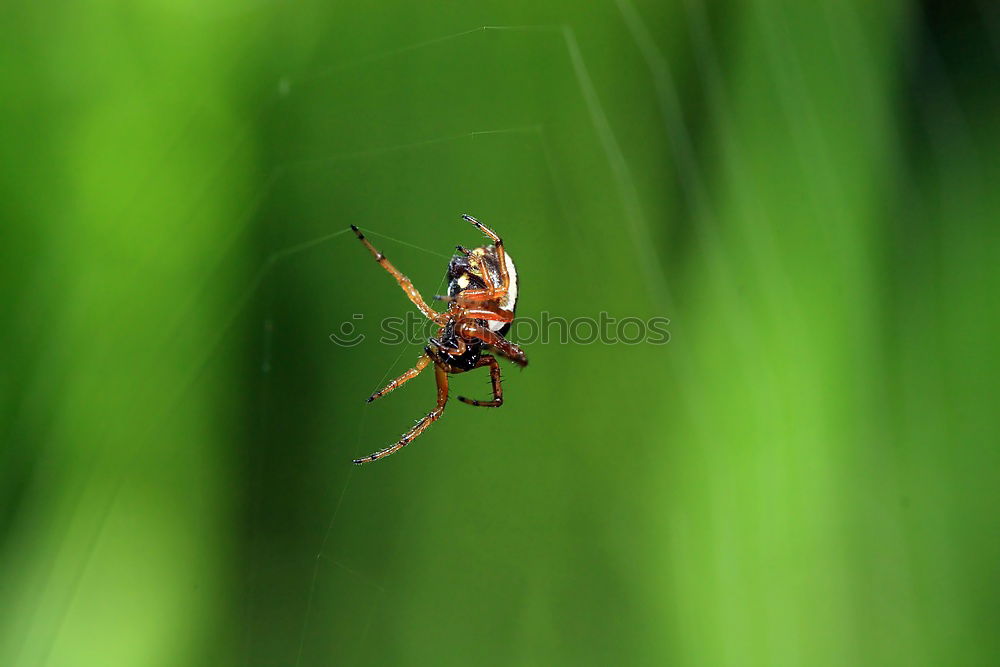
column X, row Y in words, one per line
column 807, row 474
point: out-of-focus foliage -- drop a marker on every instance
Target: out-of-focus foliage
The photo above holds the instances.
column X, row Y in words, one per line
column 807, row 474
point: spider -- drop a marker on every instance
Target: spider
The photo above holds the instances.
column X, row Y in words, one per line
column 482, row 296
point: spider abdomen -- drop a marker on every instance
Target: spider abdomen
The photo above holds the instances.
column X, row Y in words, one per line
column 464, row 273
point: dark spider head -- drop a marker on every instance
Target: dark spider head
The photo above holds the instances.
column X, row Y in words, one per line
column 458, row 354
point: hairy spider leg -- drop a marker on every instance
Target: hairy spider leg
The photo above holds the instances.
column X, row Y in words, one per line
column 497, row 241
column 421, row 364
column 487, row 360
column 403, row 281
column 442, row 397
column 489, row 315
column 500, row 344
column 491, row 291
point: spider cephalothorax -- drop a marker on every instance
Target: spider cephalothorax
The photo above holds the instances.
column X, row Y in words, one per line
column 482, row 297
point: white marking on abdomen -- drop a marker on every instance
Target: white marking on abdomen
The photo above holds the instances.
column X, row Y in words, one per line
column 511, row 301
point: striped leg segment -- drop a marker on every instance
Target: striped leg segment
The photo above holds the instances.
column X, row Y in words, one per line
column 403, row 281
column 442, row 397
column 421, row 364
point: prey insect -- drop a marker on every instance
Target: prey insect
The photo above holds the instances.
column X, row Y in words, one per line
column 482, row 296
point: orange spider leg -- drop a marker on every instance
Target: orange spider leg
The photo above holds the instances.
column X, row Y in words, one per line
column 442, row 397
column 403, row 281
column 469, row 297
column 421, row 364
column 472, row 297
column 494, row 340
column 492, row 291
column 498, row 243
column 489, row 315
column 487, row 360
